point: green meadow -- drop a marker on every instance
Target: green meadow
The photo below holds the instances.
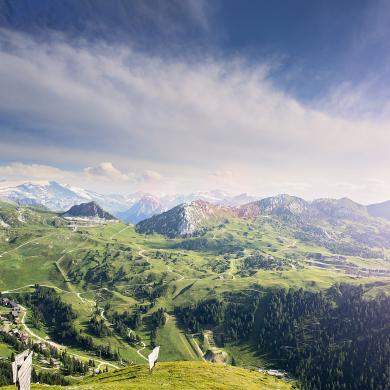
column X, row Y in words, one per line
column 110, row 270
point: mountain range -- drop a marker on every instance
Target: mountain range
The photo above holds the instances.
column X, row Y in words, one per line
column 59, row 197
column 130, row 208
column 311, row 219
column 139, row 206
column 210, row 264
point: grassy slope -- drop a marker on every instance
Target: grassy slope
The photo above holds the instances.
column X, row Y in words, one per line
column 180, row 376
column 5, row 350
column 35, row 262
column 190, row 274
column 175, row 342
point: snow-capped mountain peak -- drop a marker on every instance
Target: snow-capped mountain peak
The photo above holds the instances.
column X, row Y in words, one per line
column 58, row 197
column 130, row 208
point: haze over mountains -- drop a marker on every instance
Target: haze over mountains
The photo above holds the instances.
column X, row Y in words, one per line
column 327, row 222
column 140, row 206
column 130, row 208
column 59, row 197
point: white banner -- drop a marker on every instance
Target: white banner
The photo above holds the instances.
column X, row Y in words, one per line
column 153, row 356
column 19, row 359
column 24, row 373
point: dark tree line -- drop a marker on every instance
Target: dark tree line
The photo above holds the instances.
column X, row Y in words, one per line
column 157, row 320
column 98, row 327
column 150, row 291
column 69, row 364
column 48, row 377
column 328, row 340
column 5, row 372
column 124, row 324
column 58, row 317
column 126, row 319
column 13, row 341
column 235, row 319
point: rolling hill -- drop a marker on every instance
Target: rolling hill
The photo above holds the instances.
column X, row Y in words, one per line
column 126, row 290
column 179, row 376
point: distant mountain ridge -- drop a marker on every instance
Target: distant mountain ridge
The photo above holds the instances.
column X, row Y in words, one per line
column 145, row 208
column 283, row 204
column 130, row 208
column 89, row 210
column 380, row 209
column 280, row 204
column 186, row 219
column 149, row 205
column 341, row 208
column 138, row 206
column 192, row 218
column 59, row 197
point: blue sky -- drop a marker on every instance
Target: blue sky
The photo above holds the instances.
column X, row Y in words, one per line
column 176, row 96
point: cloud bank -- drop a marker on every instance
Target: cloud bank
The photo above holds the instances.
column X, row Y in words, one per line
column 197, row 123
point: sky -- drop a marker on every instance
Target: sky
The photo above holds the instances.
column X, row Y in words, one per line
column 180, row 96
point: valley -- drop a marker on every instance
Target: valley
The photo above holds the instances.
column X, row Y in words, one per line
column 194, row 195
column 126, row 291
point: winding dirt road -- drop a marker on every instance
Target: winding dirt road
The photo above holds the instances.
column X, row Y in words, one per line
column 141, row 349
column 59, row 346
column 25, row 243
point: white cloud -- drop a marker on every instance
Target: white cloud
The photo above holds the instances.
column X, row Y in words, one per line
column 106, row 170
column 104, row 177
column 95, row 178
column 150, row 176
column 182, row 119
column 21, row 171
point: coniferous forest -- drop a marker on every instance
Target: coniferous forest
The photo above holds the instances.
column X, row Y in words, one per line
column 329, row 341
column 195, row 194
column 58, row 317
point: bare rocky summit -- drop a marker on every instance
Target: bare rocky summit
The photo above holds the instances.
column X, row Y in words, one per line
column 187, row 219
column 89, row 210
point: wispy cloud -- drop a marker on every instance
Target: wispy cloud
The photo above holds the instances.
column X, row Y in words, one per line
column 182, row 119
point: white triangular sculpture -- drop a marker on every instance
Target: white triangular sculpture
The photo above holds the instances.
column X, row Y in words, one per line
column 152, row 357
column 19, row 359
column 21, row 370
